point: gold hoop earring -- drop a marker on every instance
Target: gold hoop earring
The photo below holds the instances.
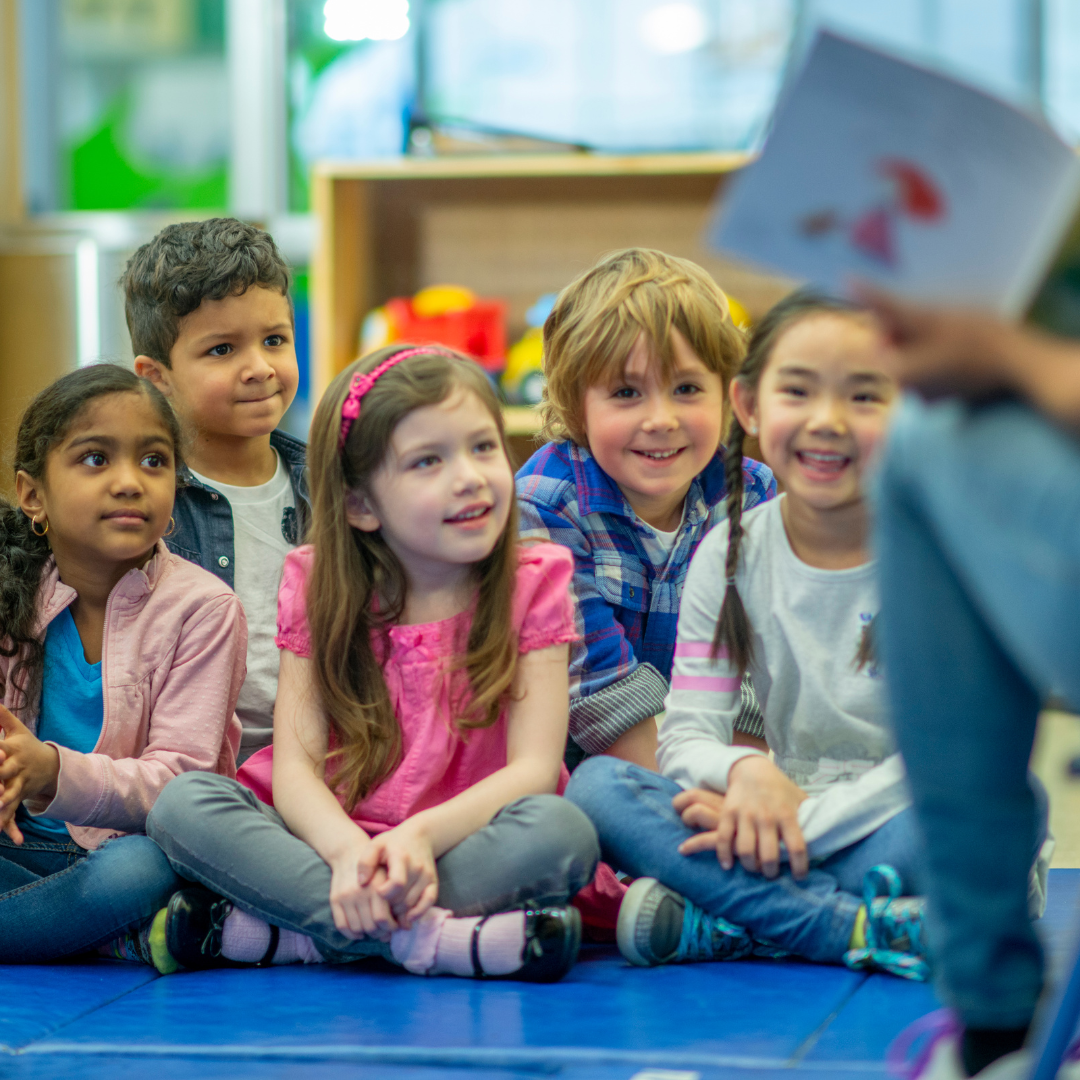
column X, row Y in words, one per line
column 171, row 529
column 34, row 524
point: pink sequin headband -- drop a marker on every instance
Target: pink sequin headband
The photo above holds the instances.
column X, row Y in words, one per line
column 363, row 382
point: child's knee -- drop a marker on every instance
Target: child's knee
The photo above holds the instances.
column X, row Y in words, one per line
column 184, row 798
column 592, row 781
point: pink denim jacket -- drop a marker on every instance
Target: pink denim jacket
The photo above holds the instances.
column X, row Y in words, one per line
column 173, row 660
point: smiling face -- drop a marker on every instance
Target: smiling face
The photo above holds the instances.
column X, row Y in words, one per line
column 108, row 488
column 652, row 435
column 821, row 408
column 443, row 494
column 232, row 371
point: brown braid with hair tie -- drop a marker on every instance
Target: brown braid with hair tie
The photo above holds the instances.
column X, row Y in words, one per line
column 733, row 632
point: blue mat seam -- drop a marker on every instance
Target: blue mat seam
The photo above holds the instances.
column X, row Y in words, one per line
column 811, row 1040
column 488, row 1057
column 7, row 1049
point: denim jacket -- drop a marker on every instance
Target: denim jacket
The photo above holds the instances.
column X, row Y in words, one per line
column 204, row 521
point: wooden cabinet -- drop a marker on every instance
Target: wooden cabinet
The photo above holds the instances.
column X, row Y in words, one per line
column 511, row 226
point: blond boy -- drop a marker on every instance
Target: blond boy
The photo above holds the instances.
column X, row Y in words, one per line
column 638, row 355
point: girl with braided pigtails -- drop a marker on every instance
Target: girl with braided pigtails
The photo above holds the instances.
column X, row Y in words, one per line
column 736, row 852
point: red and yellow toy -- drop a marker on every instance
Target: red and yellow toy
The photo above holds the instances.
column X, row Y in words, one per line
column 443, row 315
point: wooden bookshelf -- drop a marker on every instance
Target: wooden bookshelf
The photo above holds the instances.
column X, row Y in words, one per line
column 513, row 226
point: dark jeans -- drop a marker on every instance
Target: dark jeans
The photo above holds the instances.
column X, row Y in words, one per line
column 57, row 898
column 539, row 850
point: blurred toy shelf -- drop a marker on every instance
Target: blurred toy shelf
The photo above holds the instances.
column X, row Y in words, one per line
column 513, row 227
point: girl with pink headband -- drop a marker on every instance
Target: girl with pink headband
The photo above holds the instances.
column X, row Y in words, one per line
column 407, row 807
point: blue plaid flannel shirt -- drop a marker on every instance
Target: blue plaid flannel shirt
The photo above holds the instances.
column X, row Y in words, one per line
column 626, row 588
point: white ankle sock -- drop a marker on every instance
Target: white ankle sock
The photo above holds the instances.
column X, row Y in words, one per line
column 246, row 938
column 502, row 941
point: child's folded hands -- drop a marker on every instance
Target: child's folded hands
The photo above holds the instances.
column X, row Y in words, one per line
column 411, row 883
column 28, row 768
column 759, row 810
column 699, row 808
column 355, row 902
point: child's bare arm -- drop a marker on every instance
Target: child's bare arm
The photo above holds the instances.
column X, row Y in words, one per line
column 312, row 812
column 638, row 745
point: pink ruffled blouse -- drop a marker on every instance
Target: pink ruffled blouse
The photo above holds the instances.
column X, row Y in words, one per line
column 437, row 761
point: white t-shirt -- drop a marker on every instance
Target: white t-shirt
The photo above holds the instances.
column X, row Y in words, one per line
column 825, row 719
column 665, row 541
column 259, row 550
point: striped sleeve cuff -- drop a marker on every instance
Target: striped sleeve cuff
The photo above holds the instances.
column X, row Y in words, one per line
column 598, row 720
column 749, row 720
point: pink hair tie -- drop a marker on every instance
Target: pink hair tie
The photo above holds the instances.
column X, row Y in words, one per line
column 363, row 382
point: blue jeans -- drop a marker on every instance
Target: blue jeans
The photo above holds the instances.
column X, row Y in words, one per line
column 640, row 834
column 537, row 851
column 57, row 898
column 978, row 537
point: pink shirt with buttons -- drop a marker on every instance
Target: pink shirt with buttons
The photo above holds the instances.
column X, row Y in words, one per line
column 437, row 761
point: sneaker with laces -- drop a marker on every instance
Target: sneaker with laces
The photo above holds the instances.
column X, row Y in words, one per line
column 895, row 938
column 658, row 926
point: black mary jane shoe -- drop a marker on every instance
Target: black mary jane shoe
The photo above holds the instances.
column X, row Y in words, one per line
column 552, row 940
column 194, row 920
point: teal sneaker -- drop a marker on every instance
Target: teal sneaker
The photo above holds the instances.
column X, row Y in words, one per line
column 895, row 936
column 658, row 926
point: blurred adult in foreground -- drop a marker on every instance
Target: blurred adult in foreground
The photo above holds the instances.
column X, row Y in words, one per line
column 979, row 546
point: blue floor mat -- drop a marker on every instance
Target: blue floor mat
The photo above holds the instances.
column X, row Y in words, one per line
column 605, row 1021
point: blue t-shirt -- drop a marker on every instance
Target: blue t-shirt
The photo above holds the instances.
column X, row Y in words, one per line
column 72, row 708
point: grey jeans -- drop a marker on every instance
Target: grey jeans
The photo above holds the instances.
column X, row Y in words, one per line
column 538, row 851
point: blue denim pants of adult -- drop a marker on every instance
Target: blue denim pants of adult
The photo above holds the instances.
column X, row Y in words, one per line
column 640, row 833
column 978, row 540
column 58, row 899
column 538, row 851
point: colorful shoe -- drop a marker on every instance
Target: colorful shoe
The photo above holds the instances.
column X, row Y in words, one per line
column 552, row 940
column 658, row 926
column 144, row 945
column 929, row 1049
column 894, row 929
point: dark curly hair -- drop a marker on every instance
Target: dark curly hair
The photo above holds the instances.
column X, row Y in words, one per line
column 185, row 264
column 23, row 553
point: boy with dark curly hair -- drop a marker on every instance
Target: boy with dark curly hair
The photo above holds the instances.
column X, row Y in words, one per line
column 212, row 327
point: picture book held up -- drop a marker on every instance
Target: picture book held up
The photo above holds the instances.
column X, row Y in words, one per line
column 876, row 168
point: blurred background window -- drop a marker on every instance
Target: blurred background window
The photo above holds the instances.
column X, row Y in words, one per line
column 126, row 101
column 136, row 112
column 135, row 89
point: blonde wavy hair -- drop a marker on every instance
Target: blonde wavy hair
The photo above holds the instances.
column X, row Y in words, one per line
column 357, row 586
column 599, row 316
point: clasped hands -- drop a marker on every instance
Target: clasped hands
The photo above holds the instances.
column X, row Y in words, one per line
column 760, row 809
column 383, row 883
column 28, row 768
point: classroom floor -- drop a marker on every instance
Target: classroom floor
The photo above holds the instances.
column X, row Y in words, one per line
column 604, row 1021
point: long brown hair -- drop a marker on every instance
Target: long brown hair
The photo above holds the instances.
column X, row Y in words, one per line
column 357, row 587
column 734, row 634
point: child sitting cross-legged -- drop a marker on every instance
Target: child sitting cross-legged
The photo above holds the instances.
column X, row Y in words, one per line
column 120, row 666
column 638, row 354
column 421, row 713
column 737, row 854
